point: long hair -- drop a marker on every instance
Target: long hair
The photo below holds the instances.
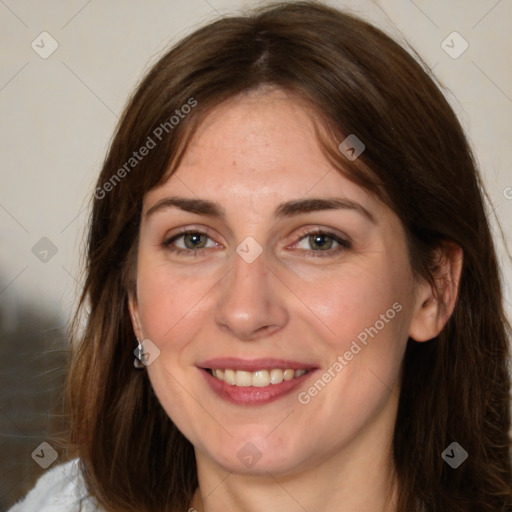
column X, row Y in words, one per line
column 455, row 388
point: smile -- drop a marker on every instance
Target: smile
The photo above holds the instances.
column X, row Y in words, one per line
column 254, row 382
column 258, row 379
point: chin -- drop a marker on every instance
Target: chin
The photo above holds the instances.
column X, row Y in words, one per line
column 252, row 455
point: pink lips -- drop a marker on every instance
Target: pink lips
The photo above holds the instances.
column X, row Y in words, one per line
column 253, row 365
column 251, row 395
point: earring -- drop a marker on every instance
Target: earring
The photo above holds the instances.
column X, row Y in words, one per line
column 137, row 360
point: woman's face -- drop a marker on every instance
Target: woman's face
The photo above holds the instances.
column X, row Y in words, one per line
column 286, row 267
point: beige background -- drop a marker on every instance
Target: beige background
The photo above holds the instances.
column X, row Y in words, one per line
column 58, row 114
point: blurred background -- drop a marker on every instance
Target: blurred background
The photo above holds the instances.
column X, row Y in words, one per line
column 67, row 69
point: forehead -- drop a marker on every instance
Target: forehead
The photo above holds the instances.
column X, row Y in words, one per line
column 259, row 144
column 260, row 130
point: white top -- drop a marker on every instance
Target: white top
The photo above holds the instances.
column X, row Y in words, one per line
column 60, row 489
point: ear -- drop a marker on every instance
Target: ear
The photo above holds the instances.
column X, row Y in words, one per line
column 434, row 304
column 134, row 315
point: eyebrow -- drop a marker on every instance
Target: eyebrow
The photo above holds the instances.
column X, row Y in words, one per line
column 288, row 209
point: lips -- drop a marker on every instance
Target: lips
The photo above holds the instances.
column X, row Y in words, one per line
column 253, row 365
column 254, row 382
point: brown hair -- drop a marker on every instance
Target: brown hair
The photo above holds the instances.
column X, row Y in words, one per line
column 359, row 81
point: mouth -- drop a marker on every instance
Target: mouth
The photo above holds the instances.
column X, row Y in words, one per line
column 258, row 379
column 254, row 382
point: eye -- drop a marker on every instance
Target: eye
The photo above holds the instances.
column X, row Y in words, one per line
column 320, row 241
column 315, row 243
column 189, row 242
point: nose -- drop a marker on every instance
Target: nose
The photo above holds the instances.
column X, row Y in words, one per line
column 250, row 306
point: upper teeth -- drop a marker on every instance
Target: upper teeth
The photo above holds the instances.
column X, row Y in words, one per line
column 258, row 379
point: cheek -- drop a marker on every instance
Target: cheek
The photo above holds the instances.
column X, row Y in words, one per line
column 364, row 320
column 172, row 311
column 353, row 298
column 169, row 304
column 358, row 381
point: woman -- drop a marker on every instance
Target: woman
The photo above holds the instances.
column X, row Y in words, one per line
column 289, row 234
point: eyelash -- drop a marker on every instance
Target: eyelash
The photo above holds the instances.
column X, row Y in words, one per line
column 344, row 244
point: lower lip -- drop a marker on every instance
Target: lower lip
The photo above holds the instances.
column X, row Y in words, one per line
column 251, row 395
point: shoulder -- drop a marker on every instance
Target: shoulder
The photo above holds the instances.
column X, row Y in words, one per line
column 60, row 489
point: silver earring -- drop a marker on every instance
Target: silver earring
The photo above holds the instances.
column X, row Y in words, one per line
column 137, row 360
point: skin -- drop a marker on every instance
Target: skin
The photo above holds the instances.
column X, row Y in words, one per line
column 250, row 154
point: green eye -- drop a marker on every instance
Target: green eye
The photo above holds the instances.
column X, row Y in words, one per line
column 189, row 242
column 323, row 242
column 194, row 240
